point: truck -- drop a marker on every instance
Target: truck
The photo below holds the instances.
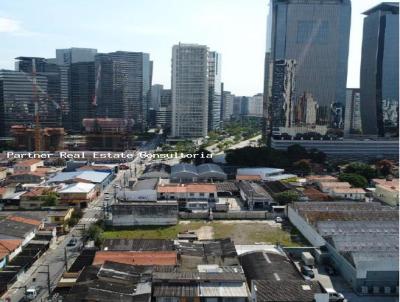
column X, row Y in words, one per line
column 307, row 259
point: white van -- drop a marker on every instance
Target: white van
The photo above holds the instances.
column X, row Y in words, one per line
column 31, row 294
column 334, row 296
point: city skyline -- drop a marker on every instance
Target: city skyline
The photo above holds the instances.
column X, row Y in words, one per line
column 210, row 23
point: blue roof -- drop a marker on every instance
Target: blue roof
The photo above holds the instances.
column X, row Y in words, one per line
column 92, row 176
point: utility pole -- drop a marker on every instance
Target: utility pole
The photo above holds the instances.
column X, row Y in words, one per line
column 65, row 259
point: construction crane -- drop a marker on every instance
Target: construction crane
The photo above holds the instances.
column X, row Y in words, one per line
column 36, row 103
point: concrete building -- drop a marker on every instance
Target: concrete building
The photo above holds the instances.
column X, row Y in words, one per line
column 316, row 35
column 227, row 105
column 156, row 91
column 214, row 90
column 125, row 78
column 305, row 112
column 29, row 165
column 164, row 112
column 387, row 191
column 78, row 194
column 283, row 93
column 190, row 90
column 255, row 195
column 348, row 193
column 350, row 149
column 352, row 120
column 361, row 240
column 255, row 106
column 379, row 77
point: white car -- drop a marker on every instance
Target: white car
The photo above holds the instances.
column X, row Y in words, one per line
column 31, row 293
column 278, row 219
column 334, row 296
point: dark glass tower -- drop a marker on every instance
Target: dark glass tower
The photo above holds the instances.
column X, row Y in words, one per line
column 379, row 78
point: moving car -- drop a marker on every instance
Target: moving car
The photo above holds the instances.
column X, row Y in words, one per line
column 334, row 296
column 31, row 294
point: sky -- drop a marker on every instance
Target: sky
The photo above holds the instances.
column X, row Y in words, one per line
column 235, row 28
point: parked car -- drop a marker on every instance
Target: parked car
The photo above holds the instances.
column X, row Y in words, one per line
column 334, row 296
column 72, row 243
column 278, row 219
column 307, row 271
column 31, row 294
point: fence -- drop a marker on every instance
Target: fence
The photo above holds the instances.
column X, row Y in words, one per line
column 239, row 215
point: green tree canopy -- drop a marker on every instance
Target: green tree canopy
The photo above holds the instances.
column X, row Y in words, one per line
column 355, row 180
column 286, row 197
column 361, row 169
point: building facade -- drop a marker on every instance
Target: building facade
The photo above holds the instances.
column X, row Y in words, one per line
column 67, row 56
column 379, row 77
column 316, row 35
column 190, row 88
column 124, row 86
column 214, row 93
column 352, row 121
column 227, row 105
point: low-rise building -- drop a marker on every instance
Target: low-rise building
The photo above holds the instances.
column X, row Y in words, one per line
column 189, row 191
column 29, row 165
column 3, row 173
column 261, row 172
column 100, row 179
column 78, row 194
column 143, row 190
column 255, row 195
column 26, row 178
column 315, row 179
column 327, row 187
column 9, row 248
column 34, row 198
column 348, row 193
column 142, row 258
column 387, row 191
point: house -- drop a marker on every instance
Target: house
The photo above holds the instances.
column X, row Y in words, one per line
column 78, row 194
column 110, row 282
column 138, row 245
column 260, row 172
column 208, row 283
column 189, row 191
column 147, row 258
column 255, row 195
column 348, row 193
column 26, row 178
column 59, row 217
column 29, row 165
column 315, row 179
column 34, row 198
column 9, row 248
column 100, row 179
column 144, row 213
column 327, row 187
column 387, row 191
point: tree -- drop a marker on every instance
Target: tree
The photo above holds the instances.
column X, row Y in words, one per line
column 355, row 180
column 286, row 197
column 384, row 167
column 296, row 152
column 302, row 166
column 50, row 200
column 361, row 169
column 94, row 232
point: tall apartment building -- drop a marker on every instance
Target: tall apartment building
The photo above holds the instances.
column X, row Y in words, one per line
column 190, row 89
column 164, row 112
column 156, row 91
column 352, row 121
column 17, row 101
column 214, row 93
column 283, row 93
column 255, row 105
column 124, row 86
column 82, row 93
column 227, row 105
column 315, row 34
column 379, row 78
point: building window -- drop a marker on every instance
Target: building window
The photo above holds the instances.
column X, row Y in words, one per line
column 312, row 32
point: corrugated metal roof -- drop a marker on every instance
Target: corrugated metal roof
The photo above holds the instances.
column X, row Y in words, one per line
column 223, row 289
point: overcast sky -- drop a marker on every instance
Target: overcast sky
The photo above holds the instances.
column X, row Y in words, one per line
column 235, row 28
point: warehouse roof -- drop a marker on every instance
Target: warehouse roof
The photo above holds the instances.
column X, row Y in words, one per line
column 286, row 290
column 91, row 176
column 156, row 170
column 136, row 258
column 187, row 188
column 79, row 187
column 207, row 171
column 253, row 190
column 184, row 170
column 145, row 184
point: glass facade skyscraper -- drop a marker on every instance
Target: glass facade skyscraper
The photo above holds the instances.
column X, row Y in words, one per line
column 314, row 33
column 379, row 78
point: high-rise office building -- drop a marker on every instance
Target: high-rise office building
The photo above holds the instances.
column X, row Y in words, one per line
column 68, row 56
column 124, row 86
column 82, row 93
column 255, row 105
column 352, row 121
column 305, row 111
column 227, row 105
column 283, row 93
column 379, row 78
column 314, row 33
column 190, row 87
column 215, row 93
column 18, row 97
column 156, row 91
column 164, row 112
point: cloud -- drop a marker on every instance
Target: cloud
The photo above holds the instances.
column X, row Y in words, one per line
column 14, row 27
column 9, row 25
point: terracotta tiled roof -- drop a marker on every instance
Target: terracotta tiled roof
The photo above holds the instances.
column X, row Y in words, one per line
column 136, row 258
column 248, row 177
column 7, row 246
column 387, row 184
column 316, row 195
column 35, row 192
column 24, row 220
column 29, row 162
column 187, row 188
column 348, row 190
column 322, row 178
column 335, row 184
